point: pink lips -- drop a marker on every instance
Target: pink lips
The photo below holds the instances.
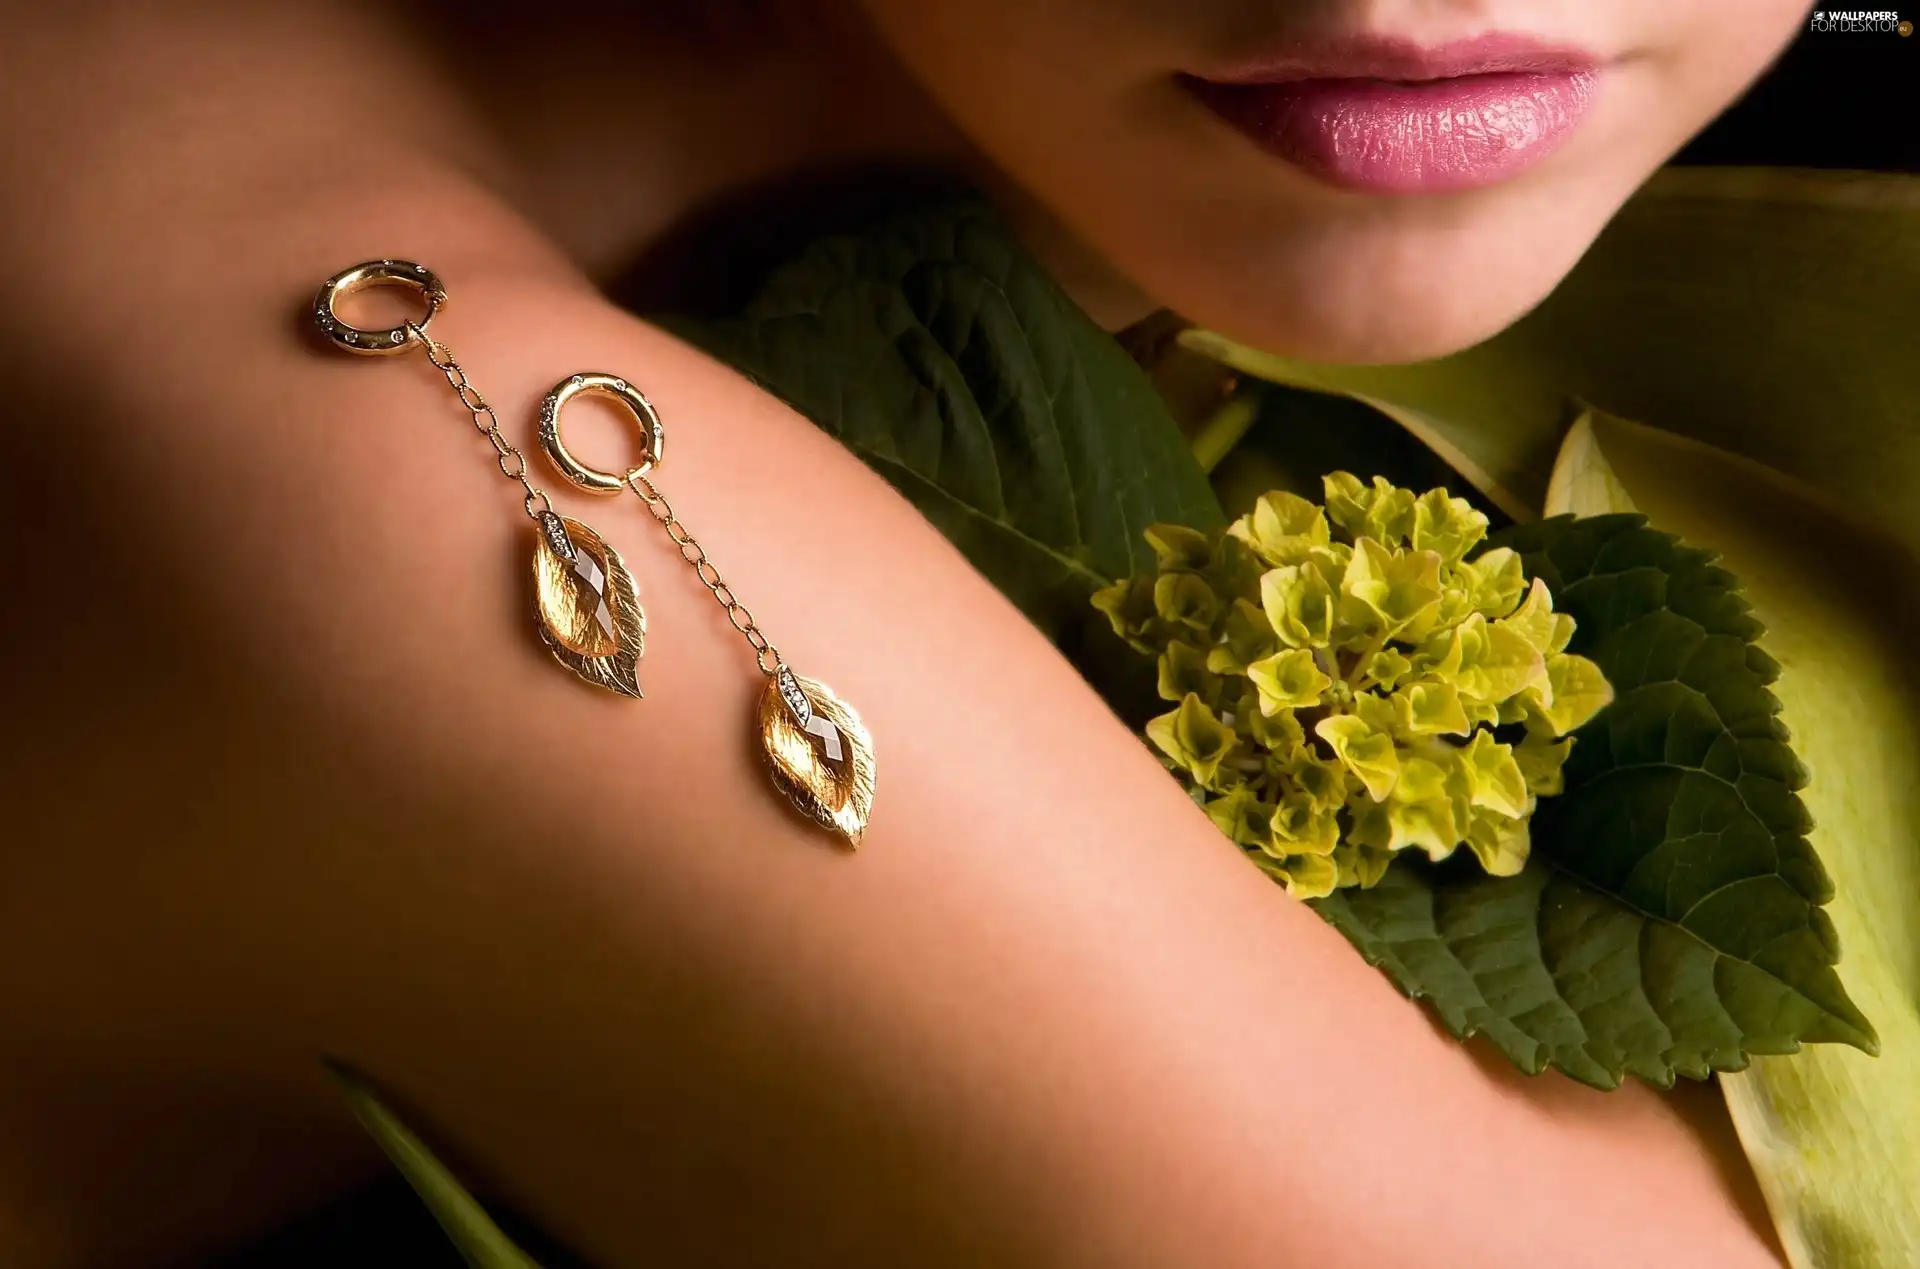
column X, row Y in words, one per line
column 1387, row 116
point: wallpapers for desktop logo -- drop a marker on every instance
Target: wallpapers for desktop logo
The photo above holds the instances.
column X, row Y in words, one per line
column 1860, row 22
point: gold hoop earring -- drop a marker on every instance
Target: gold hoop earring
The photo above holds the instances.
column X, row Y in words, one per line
column 817, row 750
column 588, row 607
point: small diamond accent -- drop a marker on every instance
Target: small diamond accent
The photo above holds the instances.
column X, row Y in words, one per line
column 795, row 697
column 813, row 723
column 556, row 530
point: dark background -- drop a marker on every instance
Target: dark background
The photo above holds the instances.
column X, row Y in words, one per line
column 1837, row 101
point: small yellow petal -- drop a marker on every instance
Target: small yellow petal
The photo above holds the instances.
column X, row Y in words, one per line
column 1184, row 599
column 1279, row 733
column 1447, row 525
column 1288, row 680
column 1386, row 668
column 1178, row 548
column 1283, row 528
column 1428, row 825
column 1579, row 690
column 1430, row 709
column 1496, row 581
column 1537, row 622
column 1245, row 819
column 1246, row 636
column 1194, row 738
column 1299, row 606
column 1367, row 753
column 1183, row 669
column 1400, row 588
column 1494, row 776
column 1496, row 661
column 1311, row 876
column 1501, row 845
column 1541, row 762
column 1322, row 781
column 1129, row 607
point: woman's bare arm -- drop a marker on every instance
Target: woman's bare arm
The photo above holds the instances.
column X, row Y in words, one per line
column 290, row 775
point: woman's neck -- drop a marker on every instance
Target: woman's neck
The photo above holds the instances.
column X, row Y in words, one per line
column 624, row 124
column 621, row 121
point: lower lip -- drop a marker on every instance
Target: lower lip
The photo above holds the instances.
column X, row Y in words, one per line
column 1422, row 137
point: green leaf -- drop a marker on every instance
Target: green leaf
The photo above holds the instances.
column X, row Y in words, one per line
column 1669, row 918
column 938, row 351
column 1834, row 1137
column 1755, row 310
column 466, row 1223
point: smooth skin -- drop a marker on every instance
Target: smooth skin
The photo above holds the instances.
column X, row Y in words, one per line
column 1078, row 102
column 287, row 774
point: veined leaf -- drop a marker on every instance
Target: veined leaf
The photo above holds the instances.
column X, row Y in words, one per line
column 1834, row 1136
column 1669, row 919
column 938, row 351
column 1758, row 310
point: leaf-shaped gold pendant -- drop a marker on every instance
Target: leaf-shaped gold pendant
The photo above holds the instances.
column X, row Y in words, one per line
column 590, row 615
column 818, row 753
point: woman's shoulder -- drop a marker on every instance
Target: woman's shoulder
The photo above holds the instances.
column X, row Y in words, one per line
column 295, row 777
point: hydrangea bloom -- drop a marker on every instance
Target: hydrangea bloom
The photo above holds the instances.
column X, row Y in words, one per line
column 1349, row 684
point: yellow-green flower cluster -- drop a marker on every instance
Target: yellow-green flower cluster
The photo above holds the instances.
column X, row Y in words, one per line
column 1350, row 684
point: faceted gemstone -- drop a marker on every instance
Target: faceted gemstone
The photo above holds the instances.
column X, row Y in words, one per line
column 588, row 570
column 823, row 765
column 828, row 735
column 585, row 567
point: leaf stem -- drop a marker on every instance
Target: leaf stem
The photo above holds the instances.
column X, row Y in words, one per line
column 1224, row 429
column 480, row 1241
column 1358, row 678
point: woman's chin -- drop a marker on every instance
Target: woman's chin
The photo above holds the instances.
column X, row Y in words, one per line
column 1376, row 330
column 1378, row 302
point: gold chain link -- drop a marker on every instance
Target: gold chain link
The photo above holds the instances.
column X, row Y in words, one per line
column 512, row 463
column 765, row 655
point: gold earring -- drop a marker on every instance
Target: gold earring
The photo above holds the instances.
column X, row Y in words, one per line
column 589, row 609
column 817, row 751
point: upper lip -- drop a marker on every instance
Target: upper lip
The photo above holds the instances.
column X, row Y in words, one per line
column 1394, row 58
